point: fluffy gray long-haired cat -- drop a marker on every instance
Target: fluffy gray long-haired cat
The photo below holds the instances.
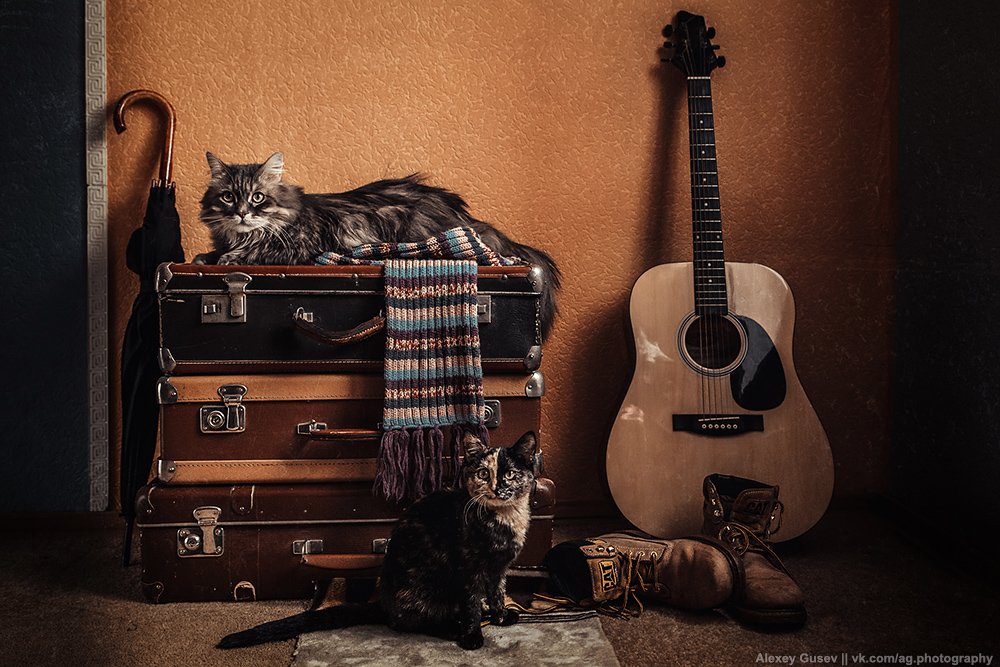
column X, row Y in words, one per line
column 256, row 218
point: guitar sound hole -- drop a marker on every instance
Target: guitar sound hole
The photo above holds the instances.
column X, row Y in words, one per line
column 713, row 341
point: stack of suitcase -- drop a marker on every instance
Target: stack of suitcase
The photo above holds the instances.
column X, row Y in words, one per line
column 270, row 424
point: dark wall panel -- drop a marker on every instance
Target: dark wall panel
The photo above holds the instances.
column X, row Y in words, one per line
column 43, row 292
column 946, row 417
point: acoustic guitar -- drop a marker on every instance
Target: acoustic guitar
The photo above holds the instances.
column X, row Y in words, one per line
column 714, row 388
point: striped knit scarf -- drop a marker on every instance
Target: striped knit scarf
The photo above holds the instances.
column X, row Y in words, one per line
column 433, row 375
column 456, row 243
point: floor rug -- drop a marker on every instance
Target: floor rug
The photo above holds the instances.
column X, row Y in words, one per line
column 571, row 643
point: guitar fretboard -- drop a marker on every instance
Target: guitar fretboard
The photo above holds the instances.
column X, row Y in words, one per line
column 709, row 260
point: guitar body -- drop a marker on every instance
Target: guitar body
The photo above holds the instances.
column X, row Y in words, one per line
column 655, row 471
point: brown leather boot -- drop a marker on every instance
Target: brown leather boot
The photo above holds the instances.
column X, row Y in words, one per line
column 693, row 573
column 743, row 514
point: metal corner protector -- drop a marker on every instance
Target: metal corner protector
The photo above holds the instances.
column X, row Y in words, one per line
column 533, row 359
column 167, row 361
column 535, row 386
column 165, row 470
column 163, row 276
column 166, row 393
column 537, row 278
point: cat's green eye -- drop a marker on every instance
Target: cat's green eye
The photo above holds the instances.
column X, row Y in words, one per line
column 483, row 474
column 256, row 198
column 511, row 474
column 227, row 197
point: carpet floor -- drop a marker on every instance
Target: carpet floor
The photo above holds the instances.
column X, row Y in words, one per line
column 871, row 594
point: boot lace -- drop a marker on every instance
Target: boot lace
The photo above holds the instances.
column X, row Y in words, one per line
column 741, row 538
column 639, row 574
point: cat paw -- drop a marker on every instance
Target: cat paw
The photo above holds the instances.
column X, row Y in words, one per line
column 204, row 258
column 505, row 617
column 229, row 259
column 472, row 641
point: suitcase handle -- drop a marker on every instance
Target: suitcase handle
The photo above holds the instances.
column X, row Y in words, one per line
column 318, row 431
column 367, row 329
column 345, row 565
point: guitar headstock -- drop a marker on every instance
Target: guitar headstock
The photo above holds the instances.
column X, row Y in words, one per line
column 694, row 53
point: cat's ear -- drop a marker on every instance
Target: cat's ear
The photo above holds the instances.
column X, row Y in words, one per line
column 271, row 170
column 217, row 166
column 471, row 444
column 525, row 449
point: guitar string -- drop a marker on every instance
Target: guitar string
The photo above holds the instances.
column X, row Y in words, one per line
column 717, row 322
column 737, row 347
column 724, row 379
column 706, row 317
column 712, row 219
column 723, row 325
column 714, row 321
column 696, row 224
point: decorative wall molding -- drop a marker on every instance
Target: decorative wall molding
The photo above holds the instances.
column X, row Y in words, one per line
column 97, row 249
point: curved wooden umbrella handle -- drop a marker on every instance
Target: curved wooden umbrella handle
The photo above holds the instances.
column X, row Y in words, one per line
column 157, row 100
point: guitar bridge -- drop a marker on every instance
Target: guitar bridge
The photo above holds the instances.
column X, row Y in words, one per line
column 718, row 425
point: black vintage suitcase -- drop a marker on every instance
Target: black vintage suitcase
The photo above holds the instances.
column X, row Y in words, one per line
column 305, row 319
column 248, row 542
column 246, row 429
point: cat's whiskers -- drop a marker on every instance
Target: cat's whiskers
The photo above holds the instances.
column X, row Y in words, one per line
column 472, row 501
column 245, row 240
column 212, row 218
column 279, row 233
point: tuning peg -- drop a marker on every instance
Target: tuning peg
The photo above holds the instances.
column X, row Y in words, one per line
column 711, row 33
column 720, row 61
column 667, row 30
column 668, row 45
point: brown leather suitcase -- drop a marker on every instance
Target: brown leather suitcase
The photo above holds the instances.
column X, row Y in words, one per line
column 248, row 542
column 248, row 429
column 311, row 319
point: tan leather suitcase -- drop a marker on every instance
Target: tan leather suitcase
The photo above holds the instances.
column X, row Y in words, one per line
column 248, row 429
column 248, row 542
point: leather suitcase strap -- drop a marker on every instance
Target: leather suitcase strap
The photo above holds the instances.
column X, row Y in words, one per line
column 309, row 387
column 309, row 269
column 264, row 471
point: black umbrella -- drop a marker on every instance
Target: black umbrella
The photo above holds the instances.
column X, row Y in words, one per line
column 158, row 240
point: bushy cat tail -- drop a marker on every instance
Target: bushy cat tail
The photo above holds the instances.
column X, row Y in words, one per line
column 342, row 616
column 551, row 280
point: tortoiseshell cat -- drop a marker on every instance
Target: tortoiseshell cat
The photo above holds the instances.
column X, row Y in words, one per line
column 256, row 218
column 449, row 552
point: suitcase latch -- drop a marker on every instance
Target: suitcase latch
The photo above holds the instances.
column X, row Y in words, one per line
column 230, row 417
column 203, row 540
column 484, row 308
column 230, row 308
column 301, row 547
column 310, row 427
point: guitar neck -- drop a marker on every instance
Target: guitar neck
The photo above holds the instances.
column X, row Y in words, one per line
column 710, row 296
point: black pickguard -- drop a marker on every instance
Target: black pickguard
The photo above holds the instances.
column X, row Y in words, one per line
column 758, row 383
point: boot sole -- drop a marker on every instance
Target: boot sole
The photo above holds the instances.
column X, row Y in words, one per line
column 769, row 619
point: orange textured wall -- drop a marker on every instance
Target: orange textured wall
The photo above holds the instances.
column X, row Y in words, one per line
column 557, row 122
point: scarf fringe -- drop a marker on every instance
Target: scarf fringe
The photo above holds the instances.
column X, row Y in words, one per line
column 411, row 461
